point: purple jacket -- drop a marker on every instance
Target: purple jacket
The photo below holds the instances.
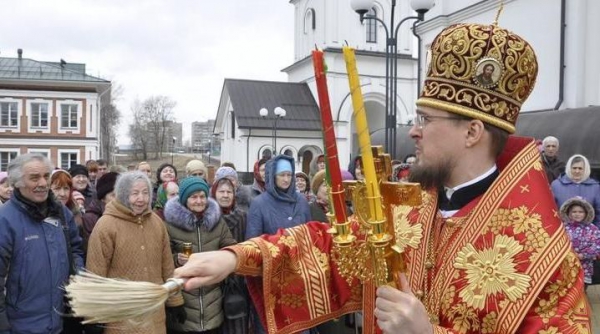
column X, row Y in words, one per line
column 563, row 189
column 586, row 243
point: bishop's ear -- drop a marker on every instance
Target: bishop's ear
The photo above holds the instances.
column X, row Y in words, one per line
column 475, row 132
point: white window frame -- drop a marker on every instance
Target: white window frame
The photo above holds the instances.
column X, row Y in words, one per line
column 43, row 151
column 16, row 128
column 8, row 150
column 74, row 130
column 61, row 152
column 35, row 129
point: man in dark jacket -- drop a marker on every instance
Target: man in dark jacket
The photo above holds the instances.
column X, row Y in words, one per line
column 552, row 165
column 36, row 234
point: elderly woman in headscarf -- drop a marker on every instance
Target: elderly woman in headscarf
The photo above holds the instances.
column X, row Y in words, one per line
column 165, row 192
column 223, row 191
column 194, row 218
column 130, row 242
column 258, row 187
column 576, row 182
column 243, row 194
column 5, row 188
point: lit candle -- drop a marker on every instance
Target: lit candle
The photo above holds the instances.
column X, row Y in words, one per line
column 364, row 140
column 333, row 172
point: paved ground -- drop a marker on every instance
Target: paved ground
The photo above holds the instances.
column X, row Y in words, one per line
column 593, row 293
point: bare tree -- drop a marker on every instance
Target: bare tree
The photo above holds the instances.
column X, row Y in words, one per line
column 138, row 133
column 159, row 113
column 109, row 120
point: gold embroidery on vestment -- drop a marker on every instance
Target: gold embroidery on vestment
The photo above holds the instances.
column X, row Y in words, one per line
column 490, row 271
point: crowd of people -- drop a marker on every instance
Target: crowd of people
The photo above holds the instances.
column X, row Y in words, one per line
column 135, row 224
column 484, row 255
column 119, row 224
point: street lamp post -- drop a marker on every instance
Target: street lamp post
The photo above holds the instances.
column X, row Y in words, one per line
column 173, row 149
column 279, row 113
column 209, row 149
column 362, row 7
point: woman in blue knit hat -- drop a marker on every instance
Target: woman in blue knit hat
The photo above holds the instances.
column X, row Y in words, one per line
column 193, row 217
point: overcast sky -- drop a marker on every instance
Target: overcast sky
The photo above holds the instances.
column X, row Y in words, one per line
column 183, row 49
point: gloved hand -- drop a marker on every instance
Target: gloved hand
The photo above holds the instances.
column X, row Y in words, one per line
column 177, row 313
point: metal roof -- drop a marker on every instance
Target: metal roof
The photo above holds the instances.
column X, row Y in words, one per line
column 576, row 130
column 249, row 96
column 29, row 69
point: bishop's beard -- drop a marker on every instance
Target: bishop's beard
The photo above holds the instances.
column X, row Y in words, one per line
column 432, row 176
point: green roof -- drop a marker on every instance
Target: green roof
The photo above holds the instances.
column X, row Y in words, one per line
column 28, row 69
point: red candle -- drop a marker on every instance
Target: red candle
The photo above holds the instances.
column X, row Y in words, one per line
column 334, row 174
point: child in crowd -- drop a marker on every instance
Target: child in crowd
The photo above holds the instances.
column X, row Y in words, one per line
column 578, row 215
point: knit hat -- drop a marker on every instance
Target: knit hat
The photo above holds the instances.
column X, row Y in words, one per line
column 106, row 184
column 283, row 165
column 190, row 185
column 77, row 196
column 3, row 177
column 566, row 206
column 225, row 172
column 317, row 180
column 194, row 166
column 78, row 170
column 161, row 167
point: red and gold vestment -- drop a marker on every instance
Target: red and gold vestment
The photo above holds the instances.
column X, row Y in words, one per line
column 502, row 264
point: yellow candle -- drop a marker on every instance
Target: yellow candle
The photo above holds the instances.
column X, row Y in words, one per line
column 364, row 140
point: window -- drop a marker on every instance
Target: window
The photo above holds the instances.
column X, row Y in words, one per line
column 44, row 152
column 39, row 115
column 67, row 159
column 5, row 158
column 68, row 116
column 372, row 27
column 9, row 114
column 309, row 20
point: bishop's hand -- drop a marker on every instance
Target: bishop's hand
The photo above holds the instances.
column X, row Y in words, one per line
column 207, row 268
column 399, row 311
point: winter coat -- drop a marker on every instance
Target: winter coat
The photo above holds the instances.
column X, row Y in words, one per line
column 34, row 266
column 585, row 238
column 236, row 222
column 563, row 189
column 553, row 167
column 132, row 247
column 243, row 197
column 275, row 208
column 204, row 305
column 93, row 212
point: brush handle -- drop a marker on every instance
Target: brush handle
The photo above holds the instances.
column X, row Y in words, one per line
column 174, row 285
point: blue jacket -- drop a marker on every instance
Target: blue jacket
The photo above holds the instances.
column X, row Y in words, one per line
column 563, row 189
column 35, row 266
column 275, row 208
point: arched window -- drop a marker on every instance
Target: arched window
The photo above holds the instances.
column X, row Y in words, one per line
column 372, row 27
column 309, row 20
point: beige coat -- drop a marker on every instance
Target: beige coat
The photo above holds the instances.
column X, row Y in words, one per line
column 134, row 248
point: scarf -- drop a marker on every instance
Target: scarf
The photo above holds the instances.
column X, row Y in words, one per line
column 38, row 211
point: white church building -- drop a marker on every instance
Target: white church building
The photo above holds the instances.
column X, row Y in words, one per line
column 563, row 33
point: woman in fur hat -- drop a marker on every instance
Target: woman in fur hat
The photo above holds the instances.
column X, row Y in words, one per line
column 578, row 214
column 194, row 218
column 130, row 242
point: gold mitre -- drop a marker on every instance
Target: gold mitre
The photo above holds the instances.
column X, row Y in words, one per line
column 480, row 71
